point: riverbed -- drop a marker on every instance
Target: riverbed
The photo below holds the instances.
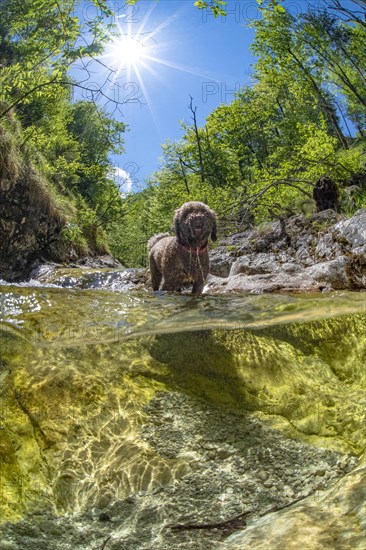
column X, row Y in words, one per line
column 132, row 419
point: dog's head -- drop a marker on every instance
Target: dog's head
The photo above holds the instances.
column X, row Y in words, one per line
column 194, row 223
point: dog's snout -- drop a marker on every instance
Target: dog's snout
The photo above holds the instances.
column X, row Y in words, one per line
column 197, row 221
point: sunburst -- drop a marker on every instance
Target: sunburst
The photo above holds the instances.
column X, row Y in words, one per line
column 134, row 53
column 125, row 51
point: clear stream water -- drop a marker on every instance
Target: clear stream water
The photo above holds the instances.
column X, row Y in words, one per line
column 108, row 396
column 56, row 316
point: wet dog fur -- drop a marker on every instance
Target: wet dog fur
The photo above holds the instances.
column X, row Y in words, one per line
column 180, row 261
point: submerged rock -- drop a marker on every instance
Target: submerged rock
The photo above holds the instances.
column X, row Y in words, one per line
column 112, row 440
column 91, row 273
column 329, row 519
column 176, row 429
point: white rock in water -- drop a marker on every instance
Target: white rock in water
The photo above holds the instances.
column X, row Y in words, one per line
column 335, row 518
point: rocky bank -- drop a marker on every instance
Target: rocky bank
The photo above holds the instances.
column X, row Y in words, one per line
column 321, row 253
column 35, row 219
column 326, row 251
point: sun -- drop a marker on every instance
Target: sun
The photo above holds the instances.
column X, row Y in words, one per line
column 125, row 51
column 135, row 53
column 135, row 56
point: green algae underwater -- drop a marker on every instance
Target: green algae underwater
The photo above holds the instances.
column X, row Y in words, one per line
column 80, row 370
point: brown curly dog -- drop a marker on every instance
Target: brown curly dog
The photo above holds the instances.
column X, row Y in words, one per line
column 182, row 260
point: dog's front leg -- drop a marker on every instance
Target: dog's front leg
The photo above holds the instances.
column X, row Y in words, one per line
column 197, row 287
column 155, row 274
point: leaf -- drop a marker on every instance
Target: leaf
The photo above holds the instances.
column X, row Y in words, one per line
column 279, row 9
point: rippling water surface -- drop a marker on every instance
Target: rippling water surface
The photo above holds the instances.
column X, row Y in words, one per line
column 78, row 317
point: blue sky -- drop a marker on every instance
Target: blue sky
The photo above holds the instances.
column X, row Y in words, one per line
column 189, row 53
column 185, row 52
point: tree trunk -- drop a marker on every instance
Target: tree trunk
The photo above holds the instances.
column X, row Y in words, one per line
column 198, row 139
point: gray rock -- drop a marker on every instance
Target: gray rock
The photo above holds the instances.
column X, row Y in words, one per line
column 220, row 262
column 331, row 274
column 255, row 264
column 91, row 278
column 360, row 253
column 332, row 519
column 353, row 231
column 326, row 275
column 290, row 267
column 276, row 258
column 327, row 247
column 236, row 239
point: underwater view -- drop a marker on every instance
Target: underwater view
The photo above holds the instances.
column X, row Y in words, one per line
column 139, row 421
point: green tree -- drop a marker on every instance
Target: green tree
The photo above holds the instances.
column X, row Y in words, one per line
column 68, row 143
column 342, row 50
column 39, row 40
column 272, row 143
column 283, row 53
column 216, row 6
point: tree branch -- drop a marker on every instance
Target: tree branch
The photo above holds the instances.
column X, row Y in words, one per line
column 198, row 139
column 53, row 82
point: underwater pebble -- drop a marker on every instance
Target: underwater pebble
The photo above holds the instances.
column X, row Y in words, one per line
column 8, row 545
column 232, row 463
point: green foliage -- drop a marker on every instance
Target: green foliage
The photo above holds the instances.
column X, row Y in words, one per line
column 72, row 232
column 39, row 40
column 9, row 158
column 68, row 143
column 261, row 155
column 127, row 238
column 216, row 6
column 253, row 159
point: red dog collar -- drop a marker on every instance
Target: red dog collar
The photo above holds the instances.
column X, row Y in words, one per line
column 193, row 249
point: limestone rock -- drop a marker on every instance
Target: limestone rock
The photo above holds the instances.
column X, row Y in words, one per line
column 332, row 274
column 324, row 252
column 334, row 519
column 121, row 279
column 255, row 264
column 220, row 261
column 353, row 231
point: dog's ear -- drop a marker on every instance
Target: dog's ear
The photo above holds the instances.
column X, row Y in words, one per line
column 177, row 228
column 214, row 229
